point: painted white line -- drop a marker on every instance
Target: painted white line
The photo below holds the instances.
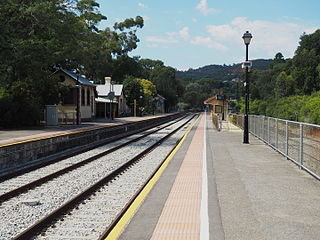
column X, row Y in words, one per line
column 204, row 217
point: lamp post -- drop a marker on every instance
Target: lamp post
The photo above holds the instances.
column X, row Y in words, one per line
column 78, row 98
column 134, row 107
column 111, row 99
column 246, row 38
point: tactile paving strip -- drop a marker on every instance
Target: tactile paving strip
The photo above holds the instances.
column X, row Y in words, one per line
column 180, row 217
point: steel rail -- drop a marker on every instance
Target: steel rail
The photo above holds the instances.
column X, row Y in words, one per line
column 17, row 191
column 45, row 222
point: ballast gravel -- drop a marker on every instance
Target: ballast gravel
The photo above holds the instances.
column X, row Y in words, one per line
column 23, row 179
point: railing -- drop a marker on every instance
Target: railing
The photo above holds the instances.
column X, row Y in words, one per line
column 299, row 142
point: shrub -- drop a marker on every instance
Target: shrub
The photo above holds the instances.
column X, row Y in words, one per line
column 17, row 112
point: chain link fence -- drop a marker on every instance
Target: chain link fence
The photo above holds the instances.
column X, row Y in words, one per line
column 299, row 142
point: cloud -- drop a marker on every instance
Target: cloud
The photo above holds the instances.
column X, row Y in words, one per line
column 142, row 5
column 268, row 37
column 146, row 18
column 184, row 33
column 152, row 45
column 204, row 8
column 155, row 39
column 208, row 42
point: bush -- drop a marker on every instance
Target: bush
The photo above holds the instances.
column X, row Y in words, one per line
column 310, row 112
column 18, row 112
column 306, row 108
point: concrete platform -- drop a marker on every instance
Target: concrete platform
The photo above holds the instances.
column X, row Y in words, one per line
column 9, row 136
column 232, row 191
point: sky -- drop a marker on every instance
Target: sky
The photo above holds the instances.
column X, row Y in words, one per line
column 193, row 33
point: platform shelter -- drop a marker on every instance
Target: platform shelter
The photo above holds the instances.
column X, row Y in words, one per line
column 218, row 105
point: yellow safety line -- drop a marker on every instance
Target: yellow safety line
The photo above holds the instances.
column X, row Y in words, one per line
column 57, row 135
column 116, row 231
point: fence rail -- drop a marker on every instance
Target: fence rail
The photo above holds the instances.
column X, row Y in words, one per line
column 298, row 141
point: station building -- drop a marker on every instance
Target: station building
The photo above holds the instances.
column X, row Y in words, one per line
column 111, row 100
column 87, row 93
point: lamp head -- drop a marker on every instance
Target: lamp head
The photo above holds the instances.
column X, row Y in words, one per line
column 247, row 37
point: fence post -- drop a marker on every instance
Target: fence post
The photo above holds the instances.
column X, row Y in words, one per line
column 263, row 129
column 276, row 135
column 301, row 146
column 268, row 130
column 287, row 139
column 260, row 126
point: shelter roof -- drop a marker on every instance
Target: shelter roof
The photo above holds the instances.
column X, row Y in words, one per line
column 74, row 76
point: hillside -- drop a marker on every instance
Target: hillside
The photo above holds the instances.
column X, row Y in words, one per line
column 220, row 72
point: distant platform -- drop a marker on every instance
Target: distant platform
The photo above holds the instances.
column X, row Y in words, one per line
column 14, row 136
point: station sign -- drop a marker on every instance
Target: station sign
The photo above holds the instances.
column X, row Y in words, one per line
column 247, row 64
column 221, row 97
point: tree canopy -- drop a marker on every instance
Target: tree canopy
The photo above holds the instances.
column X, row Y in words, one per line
column 40, row 36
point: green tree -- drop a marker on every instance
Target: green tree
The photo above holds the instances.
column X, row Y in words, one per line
column 284, row 86
column 43, row 36
column 167, row 85
column 133, row 91
column 58, row 33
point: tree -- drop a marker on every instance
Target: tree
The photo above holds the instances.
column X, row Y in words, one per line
column 278, row 58
column 149, row 90
column 284, row 86
column 133, row 91
column 192, row 95
column 49, row 34
column 43, row 36
column 147, row 65
column 167, row 85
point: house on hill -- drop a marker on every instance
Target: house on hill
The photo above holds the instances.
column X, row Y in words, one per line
column 111, row 100
column 87, row 91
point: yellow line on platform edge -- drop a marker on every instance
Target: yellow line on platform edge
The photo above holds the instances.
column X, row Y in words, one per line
column 57, row 135
column 116, row 231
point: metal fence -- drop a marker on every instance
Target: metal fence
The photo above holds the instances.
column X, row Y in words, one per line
column 298, row 141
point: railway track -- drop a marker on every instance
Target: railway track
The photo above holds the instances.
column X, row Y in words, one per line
column 61, row 196
column 111, row 135
column 22, row 183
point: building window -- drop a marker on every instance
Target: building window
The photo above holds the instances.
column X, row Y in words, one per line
column 88, row 97
column 83, row 99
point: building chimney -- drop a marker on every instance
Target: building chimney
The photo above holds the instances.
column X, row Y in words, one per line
column 107, row 80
